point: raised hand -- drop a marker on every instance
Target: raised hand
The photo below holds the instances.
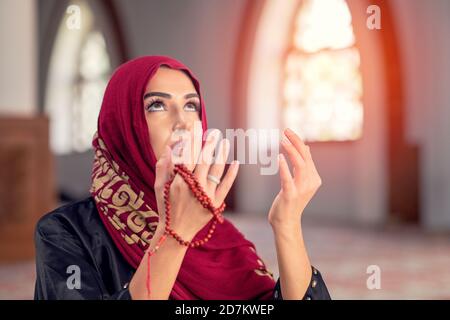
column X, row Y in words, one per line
column 188, row 215
column 298, row 188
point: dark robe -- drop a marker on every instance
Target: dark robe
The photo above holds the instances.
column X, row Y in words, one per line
column 73, row 244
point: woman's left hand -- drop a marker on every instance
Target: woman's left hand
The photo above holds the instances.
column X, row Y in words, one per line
column 297, row 190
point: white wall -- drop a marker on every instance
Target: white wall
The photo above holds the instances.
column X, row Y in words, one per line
column 424, row 39
column 18, row 57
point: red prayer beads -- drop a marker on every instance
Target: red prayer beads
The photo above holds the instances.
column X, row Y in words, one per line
column 201, row 196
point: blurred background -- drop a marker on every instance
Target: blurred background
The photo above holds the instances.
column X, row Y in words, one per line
column 365, row 82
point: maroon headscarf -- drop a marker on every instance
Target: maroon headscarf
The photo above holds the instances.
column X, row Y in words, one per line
column 123, row 176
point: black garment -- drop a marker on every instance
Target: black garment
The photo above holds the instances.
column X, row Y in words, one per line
column 72, row 240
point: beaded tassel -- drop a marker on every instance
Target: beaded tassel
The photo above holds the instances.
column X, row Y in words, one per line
column 201, row 196
column 149, row 254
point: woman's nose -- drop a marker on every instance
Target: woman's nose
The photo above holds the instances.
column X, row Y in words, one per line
column 180, row 118
column 180, row 131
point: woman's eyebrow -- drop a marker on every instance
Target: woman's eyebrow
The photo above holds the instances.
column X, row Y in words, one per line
column 191, row 95
column 168, row 96
column 159, row 94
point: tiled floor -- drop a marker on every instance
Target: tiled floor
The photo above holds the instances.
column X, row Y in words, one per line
column 17, row 280
column 413, row 265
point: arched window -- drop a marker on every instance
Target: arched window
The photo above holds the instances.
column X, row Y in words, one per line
column 80, row 66
column 304, row 70
column 322, row 85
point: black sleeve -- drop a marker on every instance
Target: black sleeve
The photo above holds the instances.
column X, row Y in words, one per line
column 317, row 289
column 63, row 269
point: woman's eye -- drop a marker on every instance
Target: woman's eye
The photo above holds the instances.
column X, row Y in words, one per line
column 155, row 106
column 192, row 106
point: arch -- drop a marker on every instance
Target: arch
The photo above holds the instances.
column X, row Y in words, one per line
column 293, row 45
column 78, row 67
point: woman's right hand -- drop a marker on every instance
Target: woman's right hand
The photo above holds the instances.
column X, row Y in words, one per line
column 188, row 216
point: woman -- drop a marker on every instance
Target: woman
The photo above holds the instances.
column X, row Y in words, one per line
column 103, row 247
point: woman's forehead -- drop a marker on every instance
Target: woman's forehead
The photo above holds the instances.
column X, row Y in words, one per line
column 170, row 80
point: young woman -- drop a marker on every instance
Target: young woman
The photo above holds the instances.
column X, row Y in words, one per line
column 143, row 233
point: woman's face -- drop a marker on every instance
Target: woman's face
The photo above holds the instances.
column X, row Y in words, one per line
column 171, row 103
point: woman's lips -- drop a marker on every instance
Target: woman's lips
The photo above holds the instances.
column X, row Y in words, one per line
column 173, row 144
column 177, row 147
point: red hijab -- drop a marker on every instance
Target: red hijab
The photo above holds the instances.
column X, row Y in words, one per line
column 227, row 266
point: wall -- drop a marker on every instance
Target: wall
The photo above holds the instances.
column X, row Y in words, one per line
column 423, row 34
column 18, row 63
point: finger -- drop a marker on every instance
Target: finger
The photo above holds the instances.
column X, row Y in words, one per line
column 218, row 166
column 295, row 158
column 285, row 174
column 193, row 148
column 225, row 185
column 206, row 155
column 310, row 159
column 162, row 168
column 298, row 143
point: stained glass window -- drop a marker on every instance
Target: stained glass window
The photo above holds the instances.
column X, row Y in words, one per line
column 322, row 84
